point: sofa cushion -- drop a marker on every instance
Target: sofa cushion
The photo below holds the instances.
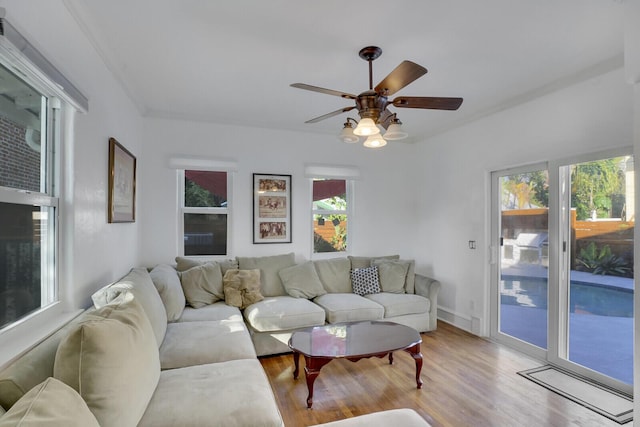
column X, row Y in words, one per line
column 302, row 281
column 269, row 267
column 334, row 274
column 49, row 403
column 349, row 308
column 401, row 304
column 199, row 343
column 184, row 263
column 216, row 311
column 167, row 282
column 111, row 359
column 242, row 288
column 392, row 274
column 139, row 283
column 234, row 393
column 365, row 281
column 202, row 284
column 365, row 261
column 283, row 313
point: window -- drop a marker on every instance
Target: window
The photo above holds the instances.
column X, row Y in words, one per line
column 28, row 200
column 330, row 214
column 205, row 212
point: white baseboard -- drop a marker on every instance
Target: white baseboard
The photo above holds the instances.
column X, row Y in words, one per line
column 462, row 321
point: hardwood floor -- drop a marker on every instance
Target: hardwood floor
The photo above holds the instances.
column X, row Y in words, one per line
column 468, row 381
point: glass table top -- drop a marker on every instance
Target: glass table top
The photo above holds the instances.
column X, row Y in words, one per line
column 353, row 339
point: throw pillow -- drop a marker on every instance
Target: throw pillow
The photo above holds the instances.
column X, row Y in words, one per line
column 365, row 281
column 167, row 282
column 139, row 283
column 302, row 281
column 365, row 261
column 51, row 402
column 111, row 359
column 184, row 263
column 202, row 285
column 392, row 274
column 242, row 288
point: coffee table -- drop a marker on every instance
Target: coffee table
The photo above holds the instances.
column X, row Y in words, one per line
column 352, row 341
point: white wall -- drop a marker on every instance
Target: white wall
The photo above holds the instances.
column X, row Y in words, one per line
column 96, row 252
column 384, row 203
column 587, row 117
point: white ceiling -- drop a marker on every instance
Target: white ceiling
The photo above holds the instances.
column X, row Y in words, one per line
column 233, row 61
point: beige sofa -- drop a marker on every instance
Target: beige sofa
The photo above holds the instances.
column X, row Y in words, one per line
column 143, row 356
column 124, row 364
column 313, row 293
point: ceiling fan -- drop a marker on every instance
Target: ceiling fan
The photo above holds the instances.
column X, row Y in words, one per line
column 372, row 104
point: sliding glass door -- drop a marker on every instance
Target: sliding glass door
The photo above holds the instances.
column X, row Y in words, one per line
column 562, row 249
column 521, row 246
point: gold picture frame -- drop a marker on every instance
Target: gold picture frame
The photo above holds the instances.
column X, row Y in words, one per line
column 122, row 183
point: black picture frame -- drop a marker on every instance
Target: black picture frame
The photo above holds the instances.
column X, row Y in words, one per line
column 271, row 208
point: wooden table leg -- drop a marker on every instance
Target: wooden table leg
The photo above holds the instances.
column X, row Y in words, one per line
column 391, row 358
column 311, row 371
column 296, row 359
column 417, row 356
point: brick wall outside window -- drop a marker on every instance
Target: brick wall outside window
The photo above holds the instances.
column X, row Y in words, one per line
column 19, row 163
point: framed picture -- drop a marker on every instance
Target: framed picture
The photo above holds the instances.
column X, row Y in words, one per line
column 122, row 183
column 271, row 208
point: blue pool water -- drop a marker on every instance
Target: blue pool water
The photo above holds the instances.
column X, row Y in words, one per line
column 600, row 321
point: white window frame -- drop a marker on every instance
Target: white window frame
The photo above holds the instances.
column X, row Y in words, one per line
column 182, row 210
column 64, row 100
column 348, row 173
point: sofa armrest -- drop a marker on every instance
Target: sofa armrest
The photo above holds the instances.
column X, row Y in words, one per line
column 429, row 288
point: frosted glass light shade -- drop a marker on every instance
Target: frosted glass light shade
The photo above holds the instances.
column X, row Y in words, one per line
column 375, row 141
column 366, row 127
column 347, row 135
column 395, row 132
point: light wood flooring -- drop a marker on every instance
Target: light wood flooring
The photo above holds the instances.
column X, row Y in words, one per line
column 468, row 381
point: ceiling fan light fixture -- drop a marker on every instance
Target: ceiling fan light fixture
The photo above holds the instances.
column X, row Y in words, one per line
column 366, row 127
column 347, row 134
column 395, row 131
column 375, row 141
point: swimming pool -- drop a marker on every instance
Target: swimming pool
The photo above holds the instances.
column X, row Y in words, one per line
column 600, row 321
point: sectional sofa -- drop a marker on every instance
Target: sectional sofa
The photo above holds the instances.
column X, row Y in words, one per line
column 178, row 345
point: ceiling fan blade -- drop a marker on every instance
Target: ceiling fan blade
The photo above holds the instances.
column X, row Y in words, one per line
column 401, row 76
column 331, row 114
column 323, row 90
column 431, row 103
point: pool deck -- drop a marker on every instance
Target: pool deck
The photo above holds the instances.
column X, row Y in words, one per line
column 602, row 343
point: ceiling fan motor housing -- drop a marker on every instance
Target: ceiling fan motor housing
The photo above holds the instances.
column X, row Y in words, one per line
column 370, row 105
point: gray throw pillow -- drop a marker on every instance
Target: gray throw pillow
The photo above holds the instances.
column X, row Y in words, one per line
column 392, row 274
column 167, row 282
column 203, row 285
column 302, row 281
column 365, row 261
